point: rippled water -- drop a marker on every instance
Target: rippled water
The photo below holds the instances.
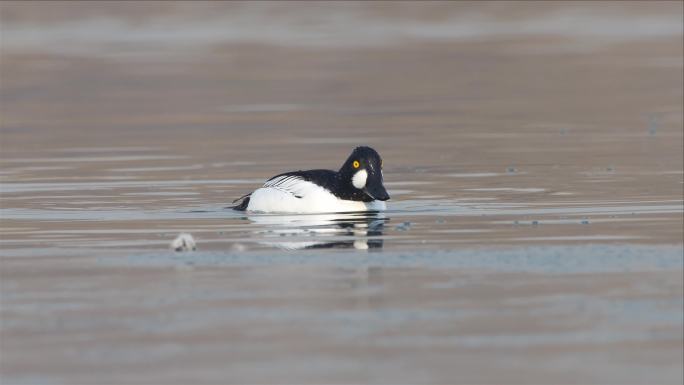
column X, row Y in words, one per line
column 534, row 233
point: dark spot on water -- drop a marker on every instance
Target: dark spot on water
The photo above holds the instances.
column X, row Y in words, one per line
column 652, row 124
column 405, row 226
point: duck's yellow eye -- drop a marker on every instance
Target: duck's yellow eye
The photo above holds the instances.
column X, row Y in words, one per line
column 356, row 164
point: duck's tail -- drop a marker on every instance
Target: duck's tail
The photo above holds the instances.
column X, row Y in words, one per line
column 242, row 206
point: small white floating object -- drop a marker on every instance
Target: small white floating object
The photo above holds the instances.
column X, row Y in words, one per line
column 184, row 242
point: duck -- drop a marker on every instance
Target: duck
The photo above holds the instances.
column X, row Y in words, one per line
column 356, row 186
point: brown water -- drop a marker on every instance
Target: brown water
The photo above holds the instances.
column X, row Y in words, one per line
column 533, row 153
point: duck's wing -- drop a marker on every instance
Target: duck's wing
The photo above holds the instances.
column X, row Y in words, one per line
column 295, row 183
column 291, row 183
column 299, row 183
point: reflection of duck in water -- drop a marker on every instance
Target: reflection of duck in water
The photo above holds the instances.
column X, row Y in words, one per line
column 357, row 186
column 344, row 230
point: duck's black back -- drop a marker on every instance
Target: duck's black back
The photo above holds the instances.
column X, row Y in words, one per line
column 331, row 181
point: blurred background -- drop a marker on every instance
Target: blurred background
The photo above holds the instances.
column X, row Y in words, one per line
column 406, row 77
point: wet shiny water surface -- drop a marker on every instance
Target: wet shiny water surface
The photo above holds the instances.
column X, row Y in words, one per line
column 533, row 153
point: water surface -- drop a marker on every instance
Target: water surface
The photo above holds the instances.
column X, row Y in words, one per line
column 533, row 154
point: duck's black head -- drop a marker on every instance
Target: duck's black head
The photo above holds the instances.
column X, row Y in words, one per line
column 363, row 171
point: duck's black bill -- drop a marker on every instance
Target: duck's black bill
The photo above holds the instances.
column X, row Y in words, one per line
column 377, row 191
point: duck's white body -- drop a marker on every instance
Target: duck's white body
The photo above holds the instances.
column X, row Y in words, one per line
column 299, row 196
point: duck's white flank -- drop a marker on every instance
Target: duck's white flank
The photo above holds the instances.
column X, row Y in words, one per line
column 295, row 195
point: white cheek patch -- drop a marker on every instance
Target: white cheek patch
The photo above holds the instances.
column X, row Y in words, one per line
column 359, row 179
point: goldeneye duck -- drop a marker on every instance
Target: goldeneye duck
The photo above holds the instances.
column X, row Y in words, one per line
column 357, row 186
